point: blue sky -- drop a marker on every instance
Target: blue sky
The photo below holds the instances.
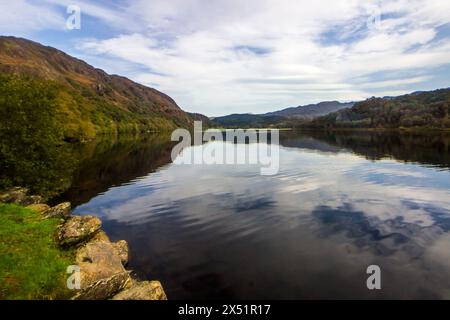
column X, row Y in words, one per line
column 224, row 56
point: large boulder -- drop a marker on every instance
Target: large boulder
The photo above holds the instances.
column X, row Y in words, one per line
column 97, row 260
column 145, row 290
column 104, row 288
column 121, row 249
column 102, row 273
column 78, row 229
column 62, row 210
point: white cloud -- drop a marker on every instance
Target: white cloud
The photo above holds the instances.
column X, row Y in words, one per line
column 219, row 57
column 21, row 18
column 111, row 14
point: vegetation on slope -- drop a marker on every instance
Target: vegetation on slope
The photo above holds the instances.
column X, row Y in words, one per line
column 32, row 151
column 31, row 264
column 416, row 110
column 90, row 102
column 247, row 121
column 48, row 98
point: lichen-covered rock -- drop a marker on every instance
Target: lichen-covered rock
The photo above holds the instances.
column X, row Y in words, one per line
column 61, row 210
column 145, row 290
column 41, row 208
column 121, row 248
column 104, row 288
column 78, row 229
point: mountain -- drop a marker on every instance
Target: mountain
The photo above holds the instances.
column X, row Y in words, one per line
column 419, row 109
column 246, row 120
column 312, row 110
column 283, row 117
column 206, row 122
column 89, row 101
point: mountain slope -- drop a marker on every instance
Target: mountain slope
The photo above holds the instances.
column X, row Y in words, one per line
column 90, row 102
column 312, row 110
column 419, row 109
column 282, row 117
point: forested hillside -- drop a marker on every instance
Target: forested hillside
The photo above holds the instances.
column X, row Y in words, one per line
column 417, row 110
column 87, row 100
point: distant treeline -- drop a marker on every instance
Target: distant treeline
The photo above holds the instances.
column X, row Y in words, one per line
column 416, row 110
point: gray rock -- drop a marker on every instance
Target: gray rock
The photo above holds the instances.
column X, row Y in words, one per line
column 145, row 290
column 62, row 210
column 78, row 229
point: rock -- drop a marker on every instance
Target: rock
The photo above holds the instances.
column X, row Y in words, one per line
column 121, row 248
column 61, row 210
column 101, row 270
column 19, row 196
column 39, row 208
column 78, row 229
column 104, row 288
column 100, row 236
column 145, row 290
column 97, row 260
column 14, row 195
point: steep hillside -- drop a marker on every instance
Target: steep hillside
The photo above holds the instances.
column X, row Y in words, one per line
column 206, row 122
column 89, row 101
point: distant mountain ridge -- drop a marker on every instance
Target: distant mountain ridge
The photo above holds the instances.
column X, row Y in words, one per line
column 312, row 110
column 90, row 101
column 420, row 109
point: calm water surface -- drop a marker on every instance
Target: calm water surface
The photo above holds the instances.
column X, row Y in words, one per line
column 339, row 203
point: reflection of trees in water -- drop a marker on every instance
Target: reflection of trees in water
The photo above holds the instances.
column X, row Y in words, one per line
column 381, row 237
column 112, row 162
column 431, row 149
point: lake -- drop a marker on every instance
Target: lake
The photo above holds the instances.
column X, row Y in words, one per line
column 339, row 203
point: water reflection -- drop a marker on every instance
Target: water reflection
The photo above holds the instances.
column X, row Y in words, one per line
column 112, row 162
column 339, row 203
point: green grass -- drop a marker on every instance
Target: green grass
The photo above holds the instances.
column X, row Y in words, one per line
column 31, row 264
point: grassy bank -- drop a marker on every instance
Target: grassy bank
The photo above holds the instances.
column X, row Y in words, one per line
column 31, row 264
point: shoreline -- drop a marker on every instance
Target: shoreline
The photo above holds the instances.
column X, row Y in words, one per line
column 98, row 271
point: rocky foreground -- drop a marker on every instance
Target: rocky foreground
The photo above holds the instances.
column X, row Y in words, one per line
column 101, row 262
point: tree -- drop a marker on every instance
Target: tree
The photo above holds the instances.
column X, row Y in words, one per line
column 32, row 153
